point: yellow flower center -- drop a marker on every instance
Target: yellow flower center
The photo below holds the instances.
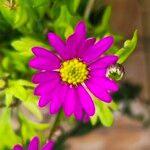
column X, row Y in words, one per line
column 74, row 71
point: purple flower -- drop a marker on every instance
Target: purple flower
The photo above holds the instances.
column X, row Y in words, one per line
column 73, row 73
column 34, row 145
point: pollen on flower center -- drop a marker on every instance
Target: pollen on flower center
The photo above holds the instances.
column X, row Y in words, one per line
column 74, row 71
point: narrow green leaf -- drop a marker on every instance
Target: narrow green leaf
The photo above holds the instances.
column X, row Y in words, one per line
column 73, row 5
column 104, row 24
column 127, row 49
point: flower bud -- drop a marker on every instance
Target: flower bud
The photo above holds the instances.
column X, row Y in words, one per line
column 115, row 72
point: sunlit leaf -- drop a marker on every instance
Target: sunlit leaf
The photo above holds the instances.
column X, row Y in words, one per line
column 127, row 49
column 25, row 44
column 8, row 137
column 31, row 105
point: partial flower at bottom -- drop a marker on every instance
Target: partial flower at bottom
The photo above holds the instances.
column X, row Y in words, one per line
column 76, row 70
column 34, row 145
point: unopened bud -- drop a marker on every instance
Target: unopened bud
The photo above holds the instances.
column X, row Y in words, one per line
column 115, row 72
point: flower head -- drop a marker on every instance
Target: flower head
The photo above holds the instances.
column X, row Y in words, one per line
column 77, row 70
column 34, row 145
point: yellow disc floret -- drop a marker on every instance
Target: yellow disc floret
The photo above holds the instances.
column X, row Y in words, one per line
column 73, row 71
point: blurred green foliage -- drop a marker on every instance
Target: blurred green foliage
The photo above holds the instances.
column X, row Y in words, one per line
column 24, row 24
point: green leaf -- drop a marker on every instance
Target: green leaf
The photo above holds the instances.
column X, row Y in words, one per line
column 114, row 106
column 5, row 62
column 31, row 105
column 25, row 83
column 127, row 49
column 73, row 5
column 104, row 26
column 64, row 19
column 38, row 3
column 94, row 119
column 68, row 31
column 21, row 17
column 2, row 83
column 7, row 133
column 25, row 44
column 8, row 13
column 8, row 96
column 105, row 115
column 29, row 128
column 18, row 90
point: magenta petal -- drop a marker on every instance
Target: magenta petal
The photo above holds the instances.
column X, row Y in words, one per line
column 78, row 111
column 86, row 101
column 85, row 46
column 49, row 145
column 41, row 63
column 98, row 72
column 98, row 49
column 58, row 99
column 75, row 40
column 44, row 100
column 86, row 118
column 71, row 45
column 57, row 44
column 80, row 30
column 104, row 83
column 46, row 88
column 42, row 52
column 97, row 91
column 17, row 147
column 55, row 106
column 104, row 62
column 34, row 144
column 45, row 76
column 70, row 100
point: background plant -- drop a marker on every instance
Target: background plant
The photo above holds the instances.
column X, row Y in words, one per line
column 25, row 24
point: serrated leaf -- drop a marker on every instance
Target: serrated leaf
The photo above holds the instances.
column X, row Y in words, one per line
column 8, row 97
column 25, row 44
column 7, row 134
column 102, row 113
column 31, row 105
column 21, row 17
column 8, row 14
column 25, row 83
column 127, row 49
column 105, row 115
column 19, row 92
column 29, row 128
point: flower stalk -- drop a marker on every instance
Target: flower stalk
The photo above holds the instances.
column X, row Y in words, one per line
column 55, row 125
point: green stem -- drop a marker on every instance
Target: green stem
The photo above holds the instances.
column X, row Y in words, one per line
column 55, row 125
column 88, row 9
